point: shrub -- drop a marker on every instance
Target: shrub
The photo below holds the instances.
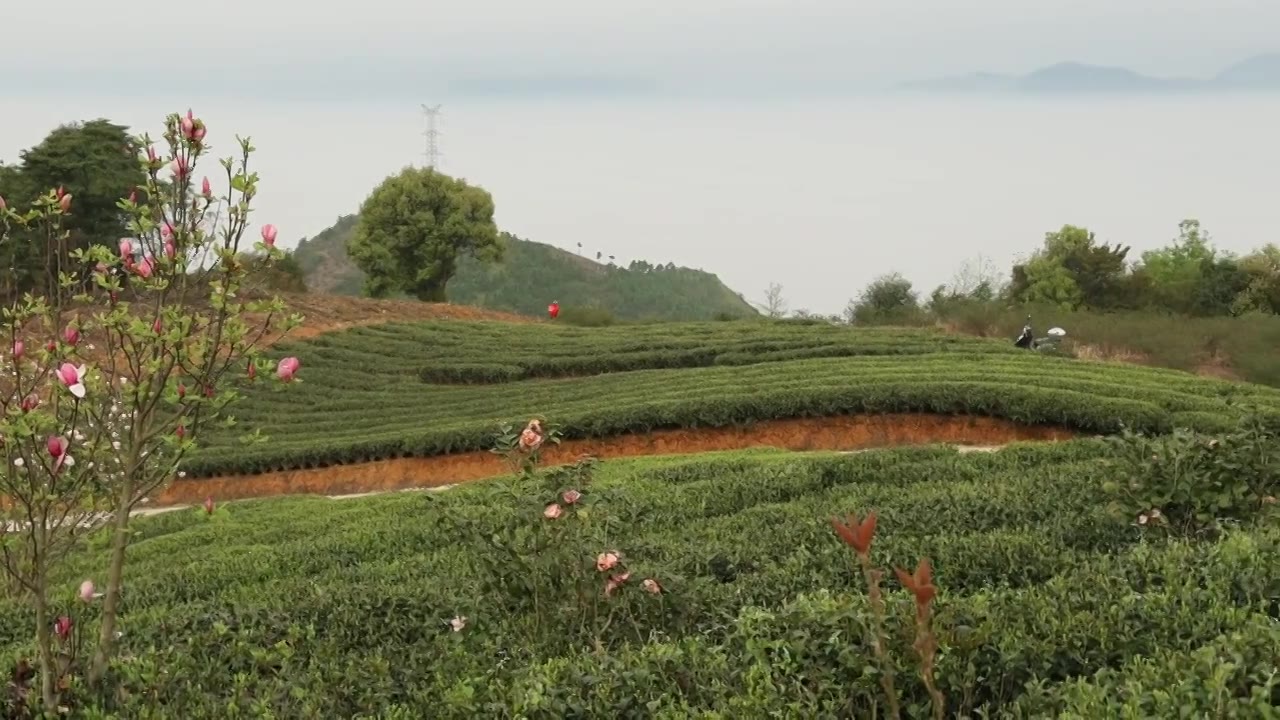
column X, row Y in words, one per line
column 586, row 316
column 1187, row 482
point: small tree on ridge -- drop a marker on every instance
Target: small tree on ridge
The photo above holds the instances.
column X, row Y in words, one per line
column 414, row 227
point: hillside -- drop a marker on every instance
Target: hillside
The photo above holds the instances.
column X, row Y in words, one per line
column 534, row 274
column 440, row 388
column 1118, row 577
column 1260, row 73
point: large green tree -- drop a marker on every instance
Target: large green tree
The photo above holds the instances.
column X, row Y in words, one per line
column 96, row 162
column 1072, row 270
column 1180, row 271
column 413, row 229
column 1263, row 293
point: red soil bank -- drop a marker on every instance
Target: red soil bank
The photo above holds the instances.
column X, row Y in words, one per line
column 835, row 433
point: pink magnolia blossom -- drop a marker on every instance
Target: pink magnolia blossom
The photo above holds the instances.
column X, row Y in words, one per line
column 180, row 167
column 606, row 561
column 652, row 586
column 553, row 511
column 62, row 627
column 145, row 267
column 286, row 368
column 192, row 127
column 133, row 197
column 182, row 391
column 60, row 192
column 205, row 188
column 58, row 446
column 64, row 203
column 30, row 402
column 87, row 591
column 3, row 206
column 71, row 335
column 151, row 154
column 19, row 348
column 571, row 497
column 157, row 327
column 529, row 440
column 181, row 432
column 73, row 377
column 166, row 231
column 126, row 249
column 269, row 235
column 615, row 582
column 531, row 437
column 251, row 370
column 51, row 346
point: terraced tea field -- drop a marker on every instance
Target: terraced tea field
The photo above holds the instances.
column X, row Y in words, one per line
column 414, row 390
column 1086, row 578
column 472, row 603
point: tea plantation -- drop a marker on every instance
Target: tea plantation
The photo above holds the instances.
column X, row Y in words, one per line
column 432, row 388
column 472, row 603
column 1127, row 576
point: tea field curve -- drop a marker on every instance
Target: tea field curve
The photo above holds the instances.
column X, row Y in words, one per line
column 472, row 603
column 433, row 388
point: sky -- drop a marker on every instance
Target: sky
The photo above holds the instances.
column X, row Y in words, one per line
column 708, row 133
column 393, row 48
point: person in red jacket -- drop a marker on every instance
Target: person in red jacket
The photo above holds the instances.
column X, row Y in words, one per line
column 553, row 309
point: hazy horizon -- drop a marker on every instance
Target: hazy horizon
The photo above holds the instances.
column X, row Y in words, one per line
column 402, row 50
column 820, row 196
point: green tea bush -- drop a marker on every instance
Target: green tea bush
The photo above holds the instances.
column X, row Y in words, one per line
column 1187, row 482
column 490, row 600
column 415, row 418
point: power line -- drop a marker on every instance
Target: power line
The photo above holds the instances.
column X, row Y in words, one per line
column 432, row 134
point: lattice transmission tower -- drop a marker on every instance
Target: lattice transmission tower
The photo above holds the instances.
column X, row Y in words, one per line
column 432, row 134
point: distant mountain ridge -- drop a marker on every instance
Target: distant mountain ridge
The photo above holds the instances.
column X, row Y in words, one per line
column 1260, row 73
column 534, row 274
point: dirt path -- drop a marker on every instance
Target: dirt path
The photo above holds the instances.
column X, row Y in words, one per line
column 849, row 432
column 142, row 512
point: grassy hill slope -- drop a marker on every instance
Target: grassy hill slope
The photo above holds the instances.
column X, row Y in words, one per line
column 533, row 274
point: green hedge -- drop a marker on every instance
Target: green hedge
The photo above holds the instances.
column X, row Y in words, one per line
column 477, row 353
column 332, row 428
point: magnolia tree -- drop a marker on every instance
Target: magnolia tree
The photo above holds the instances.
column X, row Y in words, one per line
column 107, row 389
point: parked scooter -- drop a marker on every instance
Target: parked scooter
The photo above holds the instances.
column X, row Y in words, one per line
column 1028, row 341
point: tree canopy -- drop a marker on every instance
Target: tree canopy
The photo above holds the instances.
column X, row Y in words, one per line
column 96, row 162
column 413, row 229
column 888, row 298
